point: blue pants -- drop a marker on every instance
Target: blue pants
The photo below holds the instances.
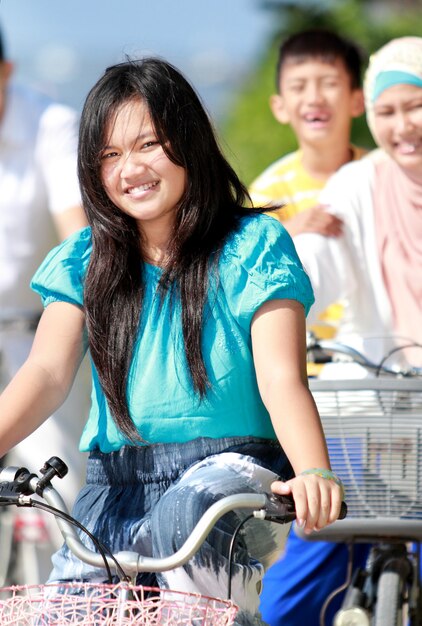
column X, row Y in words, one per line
column 296, row 586
column 148, row 499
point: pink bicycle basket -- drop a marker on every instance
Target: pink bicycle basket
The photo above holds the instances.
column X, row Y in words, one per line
column 88, row 604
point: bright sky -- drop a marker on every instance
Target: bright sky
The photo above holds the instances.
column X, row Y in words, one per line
column 64, row 45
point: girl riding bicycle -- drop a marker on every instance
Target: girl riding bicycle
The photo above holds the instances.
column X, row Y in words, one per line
column 193, row 310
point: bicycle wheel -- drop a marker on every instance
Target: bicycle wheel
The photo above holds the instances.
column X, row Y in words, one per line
column 388, row 609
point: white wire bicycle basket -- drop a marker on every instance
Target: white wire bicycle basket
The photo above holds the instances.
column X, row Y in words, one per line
column 88, row 604
column 373, row 429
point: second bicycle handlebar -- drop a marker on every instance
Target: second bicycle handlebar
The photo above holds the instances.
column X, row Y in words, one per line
column 325, row 350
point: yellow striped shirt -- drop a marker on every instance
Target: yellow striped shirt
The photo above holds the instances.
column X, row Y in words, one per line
column 287, row 184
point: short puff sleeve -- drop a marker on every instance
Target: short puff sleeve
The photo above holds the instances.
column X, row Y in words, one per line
column 259, row 263
column 60, row 278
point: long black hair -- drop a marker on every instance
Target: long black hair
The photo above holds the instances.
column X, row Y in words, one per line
column 209, row 210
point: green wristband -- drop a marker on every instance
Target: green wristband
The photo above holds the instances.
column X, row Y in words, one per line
column 327, row 474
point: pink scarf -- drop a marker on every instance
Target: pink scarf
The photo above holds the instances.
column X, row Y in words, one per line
column 398, row 219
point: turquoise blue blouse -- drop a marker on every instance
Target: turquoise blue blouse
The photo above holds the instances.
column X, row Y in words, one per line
column 257, row 263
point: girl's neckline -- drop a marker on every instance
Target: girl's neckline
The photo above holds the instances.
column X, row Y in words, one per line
column 152, row 267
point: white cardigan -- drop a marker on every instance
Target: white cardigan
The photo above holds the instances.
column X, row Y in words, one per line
column 348, row 267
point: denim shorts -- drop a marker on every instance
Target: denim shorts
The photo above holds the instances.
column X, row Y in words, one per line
column 147, row 499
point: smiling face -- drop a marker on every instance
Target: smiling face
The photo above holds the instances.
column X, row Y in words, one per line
column 397, row 126
column 138, row 176
column 317, row 100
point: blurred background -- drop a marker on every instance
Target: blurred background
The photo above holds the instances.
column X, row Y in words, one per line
column 227, row 48
column 63, row 46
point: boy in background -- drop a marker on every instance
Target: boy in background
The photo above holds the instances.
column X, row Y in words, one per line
column 319, row 93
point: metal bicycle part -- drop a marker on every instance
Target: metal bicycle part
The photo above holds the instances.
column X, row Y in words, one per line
column 353, row 616
column 393, row 585
column 373, row 429
column 388, row 608
column 321, row 351
column 261, row 505
column 26, row 544
column 92, row 602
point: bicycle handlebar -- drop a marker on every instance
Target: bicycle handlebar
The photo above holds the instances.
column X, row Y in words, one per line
column 322, row 350
column 17, row 485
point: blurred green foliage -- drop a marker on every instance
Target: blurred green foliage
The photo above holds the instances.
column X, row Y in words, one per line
column 252, row 139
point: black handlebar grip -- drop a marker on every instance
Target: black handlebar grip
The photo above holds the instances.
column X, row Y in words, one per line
column 284, row 506
column 343, row 511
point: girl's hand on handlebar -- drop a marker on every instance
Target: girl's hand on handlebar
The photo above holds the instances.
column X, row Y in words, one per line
column 317, row 500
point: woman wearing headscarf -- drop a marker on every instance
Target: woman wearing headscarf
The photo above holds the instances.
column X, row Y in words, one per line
column 375, row 267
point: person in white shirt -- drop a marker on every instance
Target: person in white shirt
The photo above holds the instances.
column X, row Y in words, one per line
column 375, row 267
column 39, row 205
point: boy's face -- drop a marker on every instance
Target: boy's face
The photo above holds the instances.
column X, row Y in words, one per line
column 317, row 100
